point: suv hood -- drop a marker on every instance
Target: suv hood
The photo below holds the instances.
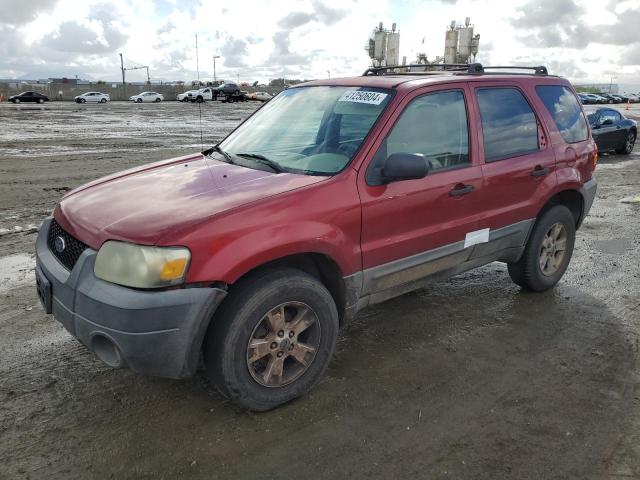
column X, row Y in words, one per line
column 145, row 204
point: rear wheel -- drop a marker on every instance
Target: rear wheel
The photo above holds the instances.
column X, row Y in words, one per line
column 548, row 251
column 627, row 148
column 157, row 100
column 272, row 339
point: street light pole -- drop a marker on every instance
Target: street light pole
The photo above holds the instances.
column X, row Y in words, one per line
column 214, row 67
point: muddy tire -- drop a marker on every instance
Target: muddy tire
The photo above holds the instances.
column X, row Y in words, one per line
column 548, row 251
column 272, row 339
column 629, row 143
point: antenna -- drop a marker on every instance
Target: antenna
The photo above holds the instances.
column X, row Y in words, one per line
column 199, row 103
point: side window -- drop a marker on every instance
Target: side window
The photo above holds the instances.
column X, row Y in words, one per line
column 561, row 103
column 509, row 126
column 434, row 125
column 609, row 115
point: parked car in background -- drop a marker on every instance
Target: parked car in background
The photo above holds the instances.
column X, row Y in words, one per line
column 610, row 98
column 592, row 98
column 612, row 130
column 228, row 88
column 184, row 97
column 338, row 194
column 33, row 97
column 147, row 97
column 585, row 99
column 633, row 98
column 92, row 97
column 260, row 96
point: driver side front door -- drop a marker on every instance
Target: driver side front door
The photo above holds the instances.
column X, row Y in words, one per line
column 415, row 228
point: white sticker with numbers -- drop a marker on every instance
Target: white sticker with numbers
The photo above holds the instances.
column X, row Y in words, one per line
column 363, row 96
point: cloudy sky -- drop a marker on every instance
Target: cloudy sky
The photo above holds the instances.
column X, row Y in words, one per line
column 587, row 41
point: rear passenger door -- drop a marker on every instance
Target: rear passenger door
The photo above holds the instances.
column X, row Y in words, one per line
column 518, row 165
column 414, row 228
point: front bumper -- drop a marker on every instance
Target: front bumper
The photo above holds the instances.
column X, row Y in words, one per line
column 151, row 332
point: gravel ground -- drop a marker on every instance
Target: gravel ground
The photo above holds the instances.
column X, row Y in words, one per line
column 471, row 378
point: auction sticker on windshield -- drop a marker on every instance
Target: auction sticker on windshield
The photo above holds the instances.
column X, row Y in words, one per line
column 363, row 96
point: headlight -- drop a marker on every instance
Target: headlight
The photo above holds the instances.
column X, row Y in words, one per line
column 140, row 266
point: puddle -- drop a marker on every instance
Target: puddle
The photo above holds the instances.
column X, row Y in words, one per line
column 616, row 246
column 16, row 271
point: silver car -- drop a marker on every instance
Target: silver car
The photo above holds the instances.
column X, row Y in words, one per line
column 92, row 97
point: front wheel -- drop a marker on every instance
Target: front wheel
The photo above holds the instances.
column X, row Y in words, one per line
column 139, row 100
column 17, row 100
column 548, row 251
column 628, row 145
column 272, row 339
column 103, row 100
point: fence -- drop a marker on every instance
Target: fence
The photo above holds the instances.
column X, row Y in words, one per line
column 64, row 91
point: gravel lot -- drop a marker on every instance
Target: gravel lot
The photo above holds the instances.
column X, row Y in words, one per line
column 471, row 378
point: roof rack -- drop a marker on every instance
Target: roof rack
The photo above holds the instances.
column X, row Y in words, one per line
column 455, row 68
column 433, row 68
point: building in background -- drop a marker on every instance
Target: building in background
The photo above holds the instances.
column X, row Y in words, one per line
column 384, row 46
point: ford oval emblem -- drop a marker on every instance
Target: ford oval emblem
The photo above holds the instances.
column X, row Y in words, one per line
column 59, row 244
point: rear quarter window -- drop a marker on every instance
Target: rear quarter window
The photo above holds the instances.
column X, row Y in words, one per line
column 563, row 106
column 509, row 126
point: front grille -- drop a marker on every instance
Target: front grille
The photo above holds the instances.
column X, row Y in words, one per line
column 73, row 248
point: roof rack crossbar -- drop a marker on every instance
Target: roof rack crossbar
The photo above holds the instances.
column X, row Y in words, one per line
column 472, row 68
column 538, row 70
column 447, row 67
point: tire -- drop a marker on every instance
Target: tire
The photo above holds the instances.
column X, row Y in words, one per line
column 40, row 100
column 82, row 100
column 528, row 272
column 157, row 100
column 138, row 100
column 628, row 145
column 243, row 318
column 17, row 100
column 199, row 99
column 103, row 100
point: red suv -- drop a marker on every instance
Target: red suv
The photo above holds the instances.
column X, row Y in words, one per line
column 335, row 195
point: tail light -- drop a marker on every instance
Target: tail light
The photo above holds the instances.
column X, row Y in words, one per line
column 595, row 155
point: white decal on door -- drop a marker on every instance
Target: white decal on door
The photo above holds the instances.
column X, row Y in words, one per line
column 474, row 238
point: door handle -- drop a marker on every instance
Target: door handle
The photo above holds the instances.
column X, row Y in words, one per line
column 461, row 189
column 539, row 171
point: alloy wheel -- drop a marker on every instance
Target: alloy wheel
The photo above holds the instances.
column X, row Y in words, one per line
column 552, row 250
column 283, row 344
column 631, row 140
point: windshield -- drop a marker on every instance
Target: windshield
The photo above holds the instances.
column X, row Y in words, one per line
column 313, row 130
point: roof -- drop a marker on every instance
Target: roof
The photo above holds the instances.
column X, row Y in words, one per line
column 410, row 81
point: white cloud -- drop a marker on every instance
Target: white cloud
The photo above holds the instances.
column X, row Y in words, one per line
column 306, row 38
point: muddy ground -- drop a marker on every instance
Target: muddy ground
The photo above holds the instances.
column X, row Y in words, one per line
column 472, row 378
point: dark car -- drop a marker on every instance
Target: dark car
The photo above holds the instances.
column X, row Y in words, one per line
column 29, row 97
column 610, row 98
column 612, row 130
column 227, row 88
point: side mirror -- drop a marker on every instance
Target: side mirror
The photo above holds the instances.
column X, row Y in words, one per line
column 608, row 121
column 404, row 166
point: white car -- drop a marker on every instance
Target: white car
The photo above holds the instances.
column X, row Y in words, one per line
column 184, row 97
column 147, row 97
column 92, row 97
column 262, row 96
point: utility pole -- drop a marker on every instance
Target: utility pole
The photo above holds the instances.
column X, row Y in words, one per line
column 148, row 77
column 197, row 64
column 214, row 67
column 122, row 68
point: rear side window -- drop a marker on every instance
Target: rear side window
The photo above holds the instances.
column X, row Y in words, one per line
column 509, row 126
column 434, row 125
column 565, row 110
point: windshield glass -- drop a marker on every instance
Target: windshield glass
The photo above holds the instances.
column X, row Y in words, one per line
column 313, row 130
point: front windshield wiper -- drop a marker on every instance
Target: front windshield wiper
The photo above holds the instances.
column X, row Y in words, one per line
column 275, row 166
column 226, row 156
